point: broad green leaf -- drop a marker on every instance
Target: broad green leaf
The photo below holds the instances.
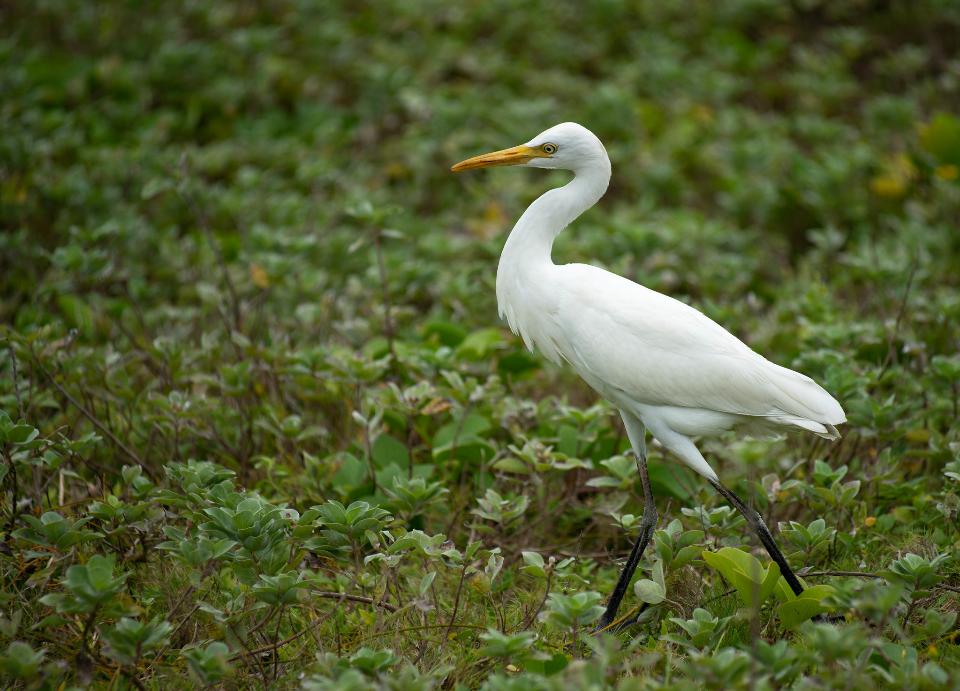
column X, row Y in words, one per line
column 388, row 450
column 744, row 572
column 649, row 591
column 799, row 610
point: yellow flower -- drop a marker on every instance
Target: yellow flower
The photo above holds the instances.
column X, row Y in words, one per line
column 870, row 521
column 948, row 171
column 492, row 224
column 895, row 178
column 887, row 186
column 259, row 276
column 702, row 114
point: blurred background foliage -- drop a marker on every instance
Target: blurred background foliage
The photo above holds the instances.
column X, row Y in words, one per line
column 260, row 422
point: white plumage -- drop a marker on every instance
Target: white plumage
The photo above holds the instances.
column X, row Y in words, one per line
column 657, row 359
column 666, row 366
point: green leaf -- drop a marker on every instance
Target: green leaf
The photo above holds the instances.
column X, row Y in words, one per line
column 480, row 344
column 156, row 186
column 744, row 572
column 512, row 464
column 546, row 667
column 448, row 333
column 517, row 362
column 20, row 661
column 795, row 612
column 22, row 434
column 649, row 591
column 941, row 137
column 535, row 566
column 468, row 448
column 78, row 313
column 805, row 606
column 666, row 479
column 468, row 426
column 426, row 582
column 505, row 645
column 388, row 450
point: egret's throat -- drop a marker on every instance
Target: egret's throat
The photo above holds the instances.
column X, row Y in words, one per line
column 526, row 255
column 531, row 240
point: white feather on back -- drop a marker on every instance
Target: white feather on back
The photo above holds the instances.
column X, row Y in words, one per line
column 655, row 350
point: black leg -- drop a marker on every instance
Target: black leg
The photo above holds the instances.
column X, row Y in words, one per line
column 647, row 524
column 760, row 528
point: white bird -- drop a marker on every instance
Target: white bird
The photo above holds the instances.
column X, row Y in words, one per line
column 666, row 366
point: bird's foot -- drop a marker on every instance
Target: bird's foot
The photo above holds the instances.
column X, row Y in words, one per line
column 608, row 624
column 603, row 625
column 829, row 618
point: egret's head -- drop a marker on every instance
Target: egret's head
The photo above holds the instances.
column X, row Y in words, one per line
column 567, row 146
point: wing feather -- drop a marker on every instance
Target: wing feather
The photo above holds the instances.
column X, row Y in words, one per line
column 660, row 351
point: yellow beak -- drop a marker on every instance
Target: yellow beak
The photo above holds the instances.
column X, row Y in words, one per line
column 505, row 157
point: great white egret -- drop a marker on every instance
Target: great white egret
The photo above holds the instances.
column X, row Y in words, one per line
column 666, row 366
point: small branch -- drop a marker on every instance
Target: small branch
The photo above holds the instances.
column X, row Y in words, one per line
column 278, row 644
column 354, row 598
column 543, row 600
column 891, row 347
column 248, row 653
column 385, row 289
column 423, row 628
column 16, row 380
column 721, row 596
column 852, row 574
column 201, row 215
column 276, row 636
column 456, row 607
column 910, row 608
column 368, row 447
column 185, row 619
column 14, row 492
column 87, row 625
column 263, row 622
column 93, row 419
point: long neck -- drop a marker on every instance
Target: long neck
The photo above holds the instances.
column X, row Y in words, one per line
column 525, row 260
column 531, row 239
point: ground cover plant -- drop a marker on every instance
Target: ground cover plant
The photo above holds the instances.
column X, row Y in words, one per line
column 260, row 426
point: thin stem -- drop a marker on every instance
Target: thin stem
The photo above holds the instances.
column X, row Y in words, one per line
column 95, row 421
column 422, row 628
column 891, row 348
column 84, row 649
column 543, row 600
column 16, row 379
column 14, row 490
column 276, row 652
column 456, row 607
column 355, row 598
column 852, row 574
column 204, row 223
column 279, row 644
column 385, row 289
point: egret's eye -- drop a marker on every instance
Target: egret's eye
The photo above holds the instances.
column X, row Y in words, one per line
column 549, row 148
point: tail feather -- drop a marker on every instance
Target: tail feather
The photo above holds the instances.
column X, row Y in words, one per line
column 801, row 397
column 805, row 404
column 821, row 429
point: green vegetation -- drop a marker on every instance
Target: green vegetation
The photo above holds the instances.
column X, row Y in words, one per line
column 262, row 427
